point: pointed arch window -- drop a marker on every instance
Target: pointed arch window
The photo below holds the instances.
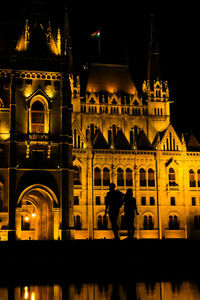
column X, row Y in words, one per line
column 192, row 178
column 148, row 222
column 151, row 179
column 102, row 222
column 143, row 181
column 97, row 177
column 106, row 177
column 129, row 177
column 173, row 222
column 120, row 177
column 37, row 117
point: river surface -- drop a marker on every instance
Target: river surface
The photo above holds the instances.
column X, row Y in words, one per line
column 130, row 290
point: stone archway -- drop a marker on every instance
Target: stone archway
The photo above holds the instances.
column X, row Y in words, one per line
column 35, row 214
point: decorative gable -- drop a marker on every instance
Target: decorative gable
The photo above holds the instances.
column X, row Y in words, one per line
column 38, row 93
column 170, row 140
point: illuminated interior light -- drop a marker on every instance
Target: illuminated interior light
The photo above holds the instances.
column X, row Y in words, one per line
column 26, row 218
column 33, row 215
column 25, row 292
column 33, row 296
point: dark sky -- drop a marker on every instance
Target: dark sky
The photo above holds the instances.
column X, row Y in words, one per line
column 125, row 29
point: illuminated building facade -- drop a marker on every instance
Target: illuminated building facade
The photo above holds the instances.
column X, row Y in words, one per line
column 36, row 171
column 126, row 137
column 136, row 290
column 118, row 135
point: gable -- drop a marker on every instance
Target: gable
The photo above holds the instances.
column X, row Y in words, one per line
column 38, row 93
column 170, row 140
column 193, row 144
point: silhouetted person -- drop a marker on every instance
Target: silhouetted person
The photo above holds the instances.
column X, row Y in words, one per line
column 129, row 211
column 114, row 200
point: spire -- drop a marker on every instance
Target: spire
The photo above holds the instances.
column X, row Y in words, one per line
column 67, row 49
column 153, row 67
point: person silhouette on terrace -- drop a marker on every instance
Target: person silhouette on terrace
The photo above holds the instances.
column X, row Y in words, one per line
column 113, row 201
column 129, row 211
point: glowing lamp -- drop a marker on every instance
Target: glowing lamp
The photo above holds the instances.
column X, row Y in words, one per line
column 33, row 215
column 33, row 296
column 25, row 292
column 26, row 218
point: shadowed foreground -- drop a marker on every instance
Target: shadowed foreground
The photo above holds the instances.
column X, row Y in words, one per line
column 88, row 260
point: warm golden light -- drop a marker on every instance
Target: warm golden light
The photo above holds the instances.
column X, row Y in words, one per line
column 28, row 91
column 33, row 215
column 50, row 92
column 26, row 218
column 33, row 296
column 25, row 292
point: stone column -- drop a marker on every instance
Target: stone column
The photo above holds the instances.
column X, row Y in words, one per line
column 66, row 168
column 12, row 165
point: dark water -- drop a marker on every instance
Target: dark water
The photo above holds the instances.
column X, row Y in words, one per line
column 130, row 290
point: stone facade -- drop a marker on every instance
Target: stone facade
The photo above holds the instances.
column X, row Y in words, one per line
column 121, row 137
column 36, row 171
column 118, row 135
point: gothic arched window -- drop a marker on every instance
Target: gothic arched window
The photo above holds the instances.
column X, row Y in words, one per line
column 120, row 177
column 102, row 222
column 106, row 177
column 192, row 178
column 148, row 222
column 37, row 117
column 97, row 177
column 143, row 181
column 173, row 222
column 129, row 177
column 151, row 180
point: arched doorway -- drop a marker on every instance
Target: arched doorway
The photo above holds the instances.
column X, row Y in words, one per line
column 35, row 214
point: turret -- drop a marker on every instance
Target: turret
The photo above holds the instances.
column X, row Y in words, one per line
column 155, row 89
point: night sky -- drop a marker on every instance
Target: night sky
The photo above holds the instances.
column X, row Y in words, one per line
column 125, row 30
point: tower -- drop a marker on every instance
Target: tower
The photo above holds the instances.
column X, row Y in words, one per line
column 155, row 89
column 36, row 140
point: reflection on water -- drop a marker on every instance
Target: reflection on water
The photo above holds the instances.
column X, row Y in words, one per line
column 105, row 291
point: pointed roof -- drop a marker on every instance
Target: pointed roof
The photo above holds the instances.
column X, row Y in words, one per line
column 31, row 43
column 143, row 142
column 193, row 144
column 37, row 39
column 159, row 136
column 99, row 141
column 121, row 142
